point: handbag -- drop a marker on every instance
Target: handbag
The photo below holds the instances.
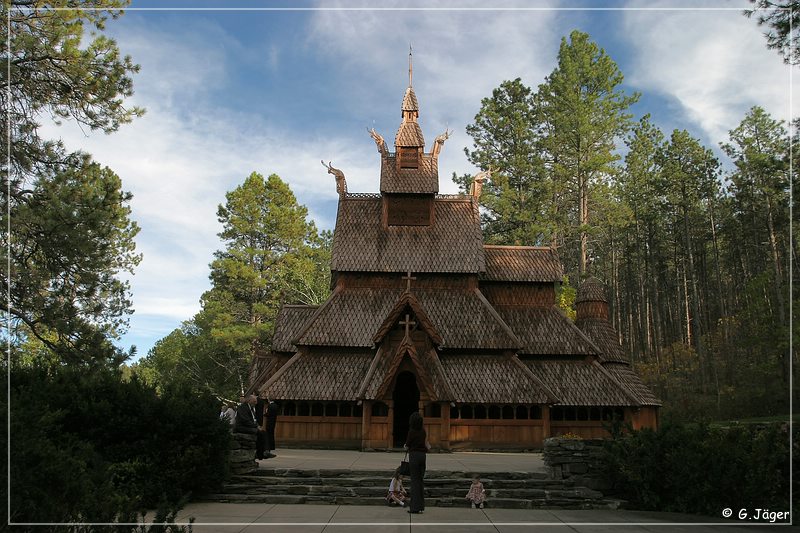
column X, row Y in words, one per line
column 405, row 468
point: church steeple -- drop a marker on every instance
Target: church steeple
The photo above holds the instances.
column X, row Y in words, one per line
column 409, row 170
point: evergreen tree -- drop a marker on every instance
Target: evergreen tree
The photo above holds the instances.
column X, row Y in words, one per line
column 506, row 138
column 783, row 19
column 272, row 255
column 586, row 111
column 71, row 232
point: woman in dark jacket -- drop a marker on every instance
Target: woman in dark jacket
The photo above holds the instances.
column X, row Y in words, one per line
column 417, row 446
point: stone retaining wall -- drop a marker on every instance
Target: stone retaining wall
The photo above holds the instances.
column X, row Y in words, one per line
column 242, row 457
column 577, row 460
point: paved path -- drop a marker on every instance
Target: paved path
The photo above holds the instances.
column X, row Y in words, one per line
column 389, row 461
column 309, row 518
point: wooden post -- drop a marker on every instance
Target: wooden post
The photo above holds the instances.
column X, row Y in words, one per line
column 366, row 419
column 390, row 425
column 445, row 431
column 546, row 433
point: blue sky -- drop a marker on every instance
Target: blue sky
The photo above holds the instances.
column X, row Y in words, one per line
column 230, row 92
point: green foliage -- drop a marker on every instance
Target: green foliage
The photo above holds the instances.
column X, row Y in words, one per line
column 71, row 232
column 565, row 298
column 272, row 255
column 586, row 111
column 694, row 468
column 71, row 237
column 507, row 141
column 87, row 446
column 782, row 17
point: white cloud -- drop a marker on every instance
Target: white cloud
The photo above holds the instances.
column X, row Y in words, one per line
column 715, row 63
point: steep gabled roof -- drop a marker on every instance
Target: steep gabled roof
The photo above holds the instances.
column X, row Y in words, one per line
column 424, row 179
column 486, row 378
column 521, row 263
column 452, row 244
column 407, row 299
column 454, row 318
column 349, row 318
column 321, row 375
column 288, row 323
column 409, row 134
column 546, row 331
column 581, row 383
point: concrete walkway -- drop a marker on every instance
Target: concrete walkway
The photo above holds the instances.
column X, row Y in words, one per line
column 309, row 518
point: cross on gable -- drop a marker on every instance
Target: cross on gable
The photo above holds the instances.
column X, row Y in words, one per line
column 409, row 278
column 407, row 323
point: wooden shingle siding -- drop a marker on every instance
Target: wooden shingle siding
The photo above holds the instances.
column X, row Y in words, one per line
column 452, row 244
column 522, row 263
column 519, row 294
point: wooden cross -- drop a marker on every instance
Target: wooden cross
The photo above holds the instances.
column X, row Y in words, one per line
column 409, row 278
column 407, row 323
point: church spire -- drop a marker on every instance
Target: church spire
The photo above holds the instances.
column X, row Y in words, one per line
column 410, row 67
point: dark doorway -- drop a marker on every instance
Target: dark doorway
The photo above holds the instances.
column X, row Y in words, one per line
column 406, row 401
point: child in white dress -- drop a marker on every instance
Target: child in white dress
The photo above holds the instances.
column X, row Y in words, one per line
column 397, row 493
column 476, row 494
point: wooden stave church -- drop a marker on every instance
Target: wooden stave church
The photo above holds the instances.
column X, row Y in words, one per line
column 424, row 316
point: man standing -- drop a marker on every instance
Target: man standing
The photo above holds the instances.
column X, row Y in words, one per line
column 272, row 419
column 245, row 421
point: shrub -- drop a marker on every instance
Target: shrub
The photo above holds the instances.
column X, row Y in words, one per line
column 698, row 469
column 88, row 446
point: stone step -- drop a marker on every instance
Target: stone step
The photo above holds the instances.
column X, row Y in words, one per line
column 429, row 474
column 383, row 481
column 430, row 491
column 498, row 503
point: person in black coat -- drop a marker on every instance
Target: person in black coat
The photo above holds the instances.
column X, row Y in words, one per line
column 245, row 421
column 417, row 446
column 261, row 436
column 271, row 420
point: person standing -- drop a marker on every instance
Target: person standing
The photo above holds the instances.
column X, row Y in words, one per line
column 261, row 436
column 417, row 446
column 271, row 417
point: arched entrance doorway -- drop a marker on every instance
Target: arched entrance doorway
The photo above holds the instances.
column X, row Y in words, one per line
column 406, row 401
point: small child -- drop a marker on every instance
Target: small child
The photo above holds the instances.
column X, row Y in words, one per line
column 476, row 494
column 397, row 493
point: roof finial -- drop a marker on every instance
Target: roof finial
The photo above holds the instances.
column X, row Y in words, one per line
column 410, row 67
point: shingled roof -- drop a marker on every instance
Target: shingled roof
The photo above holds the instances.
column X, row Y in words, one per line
column 349, row 318
column 409, row 134
column 463, row 318
column 410, row 100
column 385, row 364
column 521, row 263
column 625, row 375
column 546, row 331
column 452, row 244
column 326, row 375
column 288, row 324
column 603, row 335
column 581, row 383
column 422, row 180
column 493, row 379
column 591, row 290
